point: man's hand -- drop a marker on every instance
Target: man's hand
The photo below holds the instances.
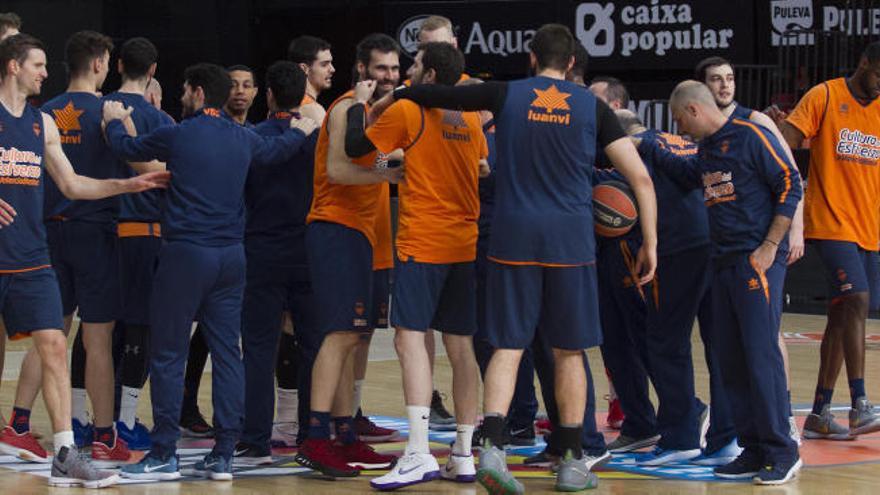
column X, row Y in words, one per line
column 394, row 175
column 762, row 258
column 7, row 214
column 776, row 114
column 646, row 263
column 115, row 110
column 150, row 180
column 795, row 243
column 484, row 168
column 304, row 124
column 363, row 91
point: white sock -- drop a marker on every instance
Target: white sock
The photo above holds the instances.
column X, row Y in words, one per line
column 418, row 429
column 63, row 439
column 128, row 404
column 78, row 405
column 464, row 435
column 287, row 405
column 358, row 391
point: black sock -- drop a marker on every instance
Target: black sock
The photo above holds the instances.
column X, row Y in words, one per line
column 286, row 367
column 569, row 440
column 493, row 430
column 78, row 360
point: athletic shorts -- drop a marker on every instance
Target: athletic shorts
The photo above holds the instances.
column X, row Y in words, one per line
column 138, row 257
column 86, row 261
column 849, row 269
column 561, row 302
column 30, row 301
column 381, row 297
column 438, row 296
column 341, row 267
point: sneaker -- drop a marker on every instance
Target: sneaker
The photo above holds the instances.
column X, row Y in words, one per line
column 137, row 437
column 153, row 468
column 520, row 437
column 624, row 443
column 779, row 473
column 793, row 432
column 574, row 475
column 541, row 459
column 411, row 469
column 440, row 418
column 722, row 456
column 594, row 461
column 660, row 456
column 361, row 456
column 459, row 468
column 195, row 426
column 704, row 426
column 823, row 427
column 494, row 475
column 862, row 419
column 82, row 433
column 543, row 426
column 24, row 446
column 212, row 467
column 745, row 466
column 110, row 456
column 69, row 468
column 367, row 431
column 322, row 456
column 250, row 455
column 615, row 414
column 284, row 435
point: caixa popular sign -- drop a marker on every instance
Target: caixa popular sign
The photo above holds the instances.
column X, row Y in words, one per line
column 671, row 34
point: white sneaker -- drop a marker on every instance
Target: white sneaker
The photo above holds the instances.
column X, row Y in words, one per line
column 793, row 431
column 460, row 468
column 284, row 434
column 410, row 469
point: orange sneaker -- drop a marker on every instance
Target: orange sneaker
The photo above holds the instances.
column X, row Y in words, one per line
column 22, row 445
column 104, row 456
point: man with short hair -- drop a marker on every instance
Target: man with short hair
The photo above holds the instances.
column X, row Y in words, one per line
column 341, row 237
column 542, row 241
column 201, row 269
column 315, row 59
column 611, row 91
column 140, row 238
column 244, row 91
column 31, row 297
column 744, row 173
column 842, row 213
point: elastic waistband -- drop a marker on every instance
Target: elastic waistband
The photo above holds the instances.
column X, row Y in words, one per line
column 139, row 229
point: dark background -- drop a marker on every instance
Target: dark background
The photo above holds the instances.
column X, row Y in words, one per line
column 491, row 33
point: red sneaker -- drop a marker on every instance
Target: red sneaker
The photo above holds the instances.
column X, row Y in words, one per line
column 615, row 414
column 362, row 456
column 367, row 431
column 543, row 426
column 104, row 456
column 322, row 456
column 24, row 446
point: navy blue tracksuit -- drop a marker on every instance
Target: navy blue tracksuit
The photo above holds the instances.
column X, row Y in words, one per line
column 747, row 181
column 201, row 272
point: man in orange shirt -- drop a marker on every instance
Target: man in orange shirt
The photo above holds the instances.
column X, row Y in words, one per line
column 436, row 247
column 841, row 117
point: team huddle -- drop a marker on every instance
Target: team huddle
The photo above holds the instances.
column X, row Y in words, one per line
column 277, row 240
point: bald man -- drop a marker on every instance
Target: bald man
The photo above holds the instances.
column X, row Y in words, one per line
column 745, row 174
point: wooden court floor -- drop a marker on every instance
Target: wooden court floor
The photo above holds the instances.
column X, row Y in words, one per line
column 853, row 468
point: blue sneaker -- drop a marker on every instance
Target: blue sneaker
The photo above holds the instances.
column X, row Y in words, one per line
column 153, row 468
column 137, row 438
column 722, row 456
column 82, row 434
column 659, row 456
column 212, row 467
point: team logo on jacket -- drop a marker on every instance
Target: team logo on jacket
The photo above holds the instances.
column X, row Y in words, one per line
column 754, row 284
column 718, row 188
column 550, row 106
column 37, row 129
column 67, row 120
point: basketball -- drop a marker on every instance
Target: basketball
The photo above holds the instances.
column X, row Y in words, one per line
column 614, row 208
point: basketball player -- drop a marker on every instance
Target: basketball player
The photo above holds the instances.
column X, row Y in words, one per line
column 744, row 173
column 436, row 247
column 534, row 118
column 140, row 239
column 83, row 244
column 201, row 265
column 340, row 239
column 842, row 213
column 31, row 299
column 611, row 91
column 244, row 91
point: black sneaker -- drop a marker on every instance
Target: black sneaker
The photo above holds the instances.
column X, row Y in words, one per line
column 520, row 437
column 195, row 426
column 251, row 455
column 745, row 466
column 778, row 473
column 440, row 418
column 542, row 459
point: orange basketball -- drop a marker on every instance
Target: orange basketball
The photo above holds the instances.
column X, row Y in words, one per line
column 614, row 208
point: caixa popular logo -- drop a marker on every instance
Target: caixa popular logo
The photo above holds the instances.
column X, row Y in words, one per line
column 657, row 28
column 408, row 34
